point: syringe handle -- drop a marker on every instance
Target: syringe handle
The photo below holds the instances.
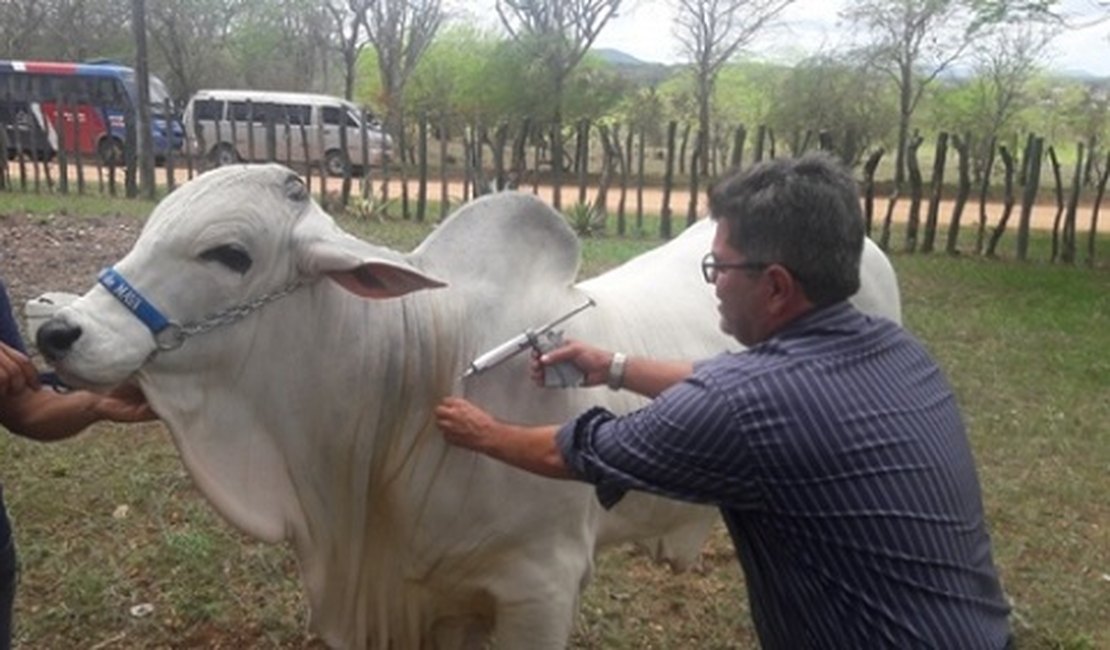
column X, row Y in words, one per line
column 557, row 375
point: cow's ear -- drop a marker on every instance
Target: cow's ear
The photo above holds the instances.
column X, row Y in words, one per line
column 382, row 280
column 360, row 267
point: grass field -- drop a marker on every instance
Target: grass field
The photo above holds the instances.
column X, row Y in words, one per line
column 111, row 521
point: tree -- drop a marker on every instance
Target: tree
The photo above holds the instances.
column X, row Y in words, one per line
column 913, row 41
column 21, row 22
column 833, row 95
column 65, row 29
column 710, row 33
column 299, row 31
column 555, row 35
column 400, row 31
column 191, row 40
column 348, row 18
column 1005, row 61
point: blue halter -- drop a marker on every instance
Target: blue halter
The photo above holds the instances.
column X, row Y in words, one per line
column 169, row 335
column 166, row 334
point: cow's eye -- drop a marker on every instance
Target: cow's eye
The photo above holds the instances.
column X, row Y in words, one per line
column 231, row 256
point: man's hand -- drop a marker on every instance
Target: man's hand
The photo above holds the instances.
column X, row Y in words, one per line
column 17, row 373
column 463, row 423
column 529, row 448
column 593, row 362
column 126, row 403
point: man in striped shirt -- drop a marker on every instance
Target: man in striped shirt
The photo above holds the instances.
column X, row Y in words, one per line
column 833, row 446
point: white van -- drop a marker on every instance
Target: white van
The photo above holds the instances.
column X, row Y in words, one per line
column 211, row 116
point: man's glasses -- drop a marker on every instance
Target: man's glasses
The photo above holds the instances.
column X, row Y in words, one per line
column 711, row 268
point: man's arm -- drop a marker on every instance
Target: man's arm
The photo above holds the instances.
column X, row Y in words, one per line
column 528, row 448
column 29, row 410
column 647, row 377
column 45, row 415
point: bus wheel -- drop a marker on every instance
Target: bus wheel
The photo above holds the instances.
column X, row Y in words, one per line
column 110, row 151
column 336, row 164
column 223, row 154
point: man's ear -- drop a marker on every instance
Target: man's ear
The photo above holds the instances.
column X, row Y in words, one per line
column 785, row 292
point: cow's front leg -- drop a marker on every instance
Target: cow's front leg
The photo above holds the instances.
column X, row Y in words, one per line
column 461, row 633
column 536, row 625
column 539, row 613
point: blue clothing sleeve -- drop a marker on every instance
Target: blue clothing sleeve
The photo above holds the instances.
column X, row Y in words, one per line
column 9, row 330
column 684, row 445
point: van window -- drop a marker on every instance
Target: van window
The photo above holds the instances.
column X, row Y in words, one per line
column 333, row 114
column 241, row 111
column 299, row 114
column 208, row 109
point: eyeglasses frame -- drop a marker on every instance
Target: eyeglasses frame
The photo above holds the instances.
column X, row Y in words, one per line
column 711, row 269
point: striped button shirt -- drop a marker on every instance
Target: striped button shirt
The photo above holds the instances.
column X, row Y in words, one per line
column 838, row 458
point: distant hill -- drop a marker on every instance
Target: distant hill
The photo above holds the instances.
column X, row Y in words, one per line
column 632, row 68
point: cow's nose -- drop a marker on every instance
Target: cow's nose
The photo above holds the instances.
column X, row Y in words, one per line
column 55, row 338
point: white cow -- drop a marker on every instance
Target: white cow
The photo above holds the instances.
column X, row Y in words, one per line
column 305, row 415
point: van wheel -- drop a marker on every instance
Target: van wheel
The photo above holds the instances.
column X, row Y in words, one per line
column 336, row 164
column 110, row 151
column 223, row 154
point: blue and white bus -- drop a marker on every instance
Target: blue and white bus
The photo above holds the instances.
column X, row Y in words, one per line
column 98, row 98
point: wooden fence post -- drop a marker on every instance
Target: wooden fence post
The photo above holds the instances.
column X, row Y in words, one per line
column 422, row 188
column 63, row 131
column 869, row 187
column 406, row 157
column 760, row 142
column 443, row 195
column 936, row 194
column 4, row 150
column 364, row 186
column 1007, row 200
column 78, row 160
column 557, row 164
column 984, row 191
column 682, row 148
column 1068, row 254
column 736, row 160
column 1029, row 195
column 1058, row 219
column 640, row 180
column 626, row 162
column 345, row 156
column 1100, row 191
column 668, row 178
column 130, row 151
column 696, row 164
column 167, row 130
column 913, row 222
column 963, row 146
column 582, row 158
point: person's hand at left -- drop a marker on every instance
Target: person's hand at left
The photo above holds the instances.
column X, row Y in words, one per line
column 17, row 373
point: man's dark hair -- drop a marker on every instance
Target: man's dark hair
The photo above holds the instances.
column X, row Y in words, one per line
column 803, row 213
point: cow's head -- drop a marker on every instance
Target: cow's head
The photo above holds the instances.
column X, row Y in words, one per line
column 219, row 247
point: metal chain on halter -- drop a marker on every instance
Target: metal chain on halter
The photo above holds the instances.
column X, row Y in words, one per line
column 174, row 335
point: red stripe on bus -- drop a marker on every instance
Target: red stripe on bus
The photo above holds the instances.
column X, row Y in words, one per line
column 48, row 67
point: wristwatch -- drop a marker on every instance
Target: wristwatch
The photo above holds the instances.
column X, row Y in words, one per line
column 616, row 371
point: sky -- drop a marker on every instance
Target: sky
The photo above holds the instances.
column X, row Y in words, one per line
column 644, row 30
